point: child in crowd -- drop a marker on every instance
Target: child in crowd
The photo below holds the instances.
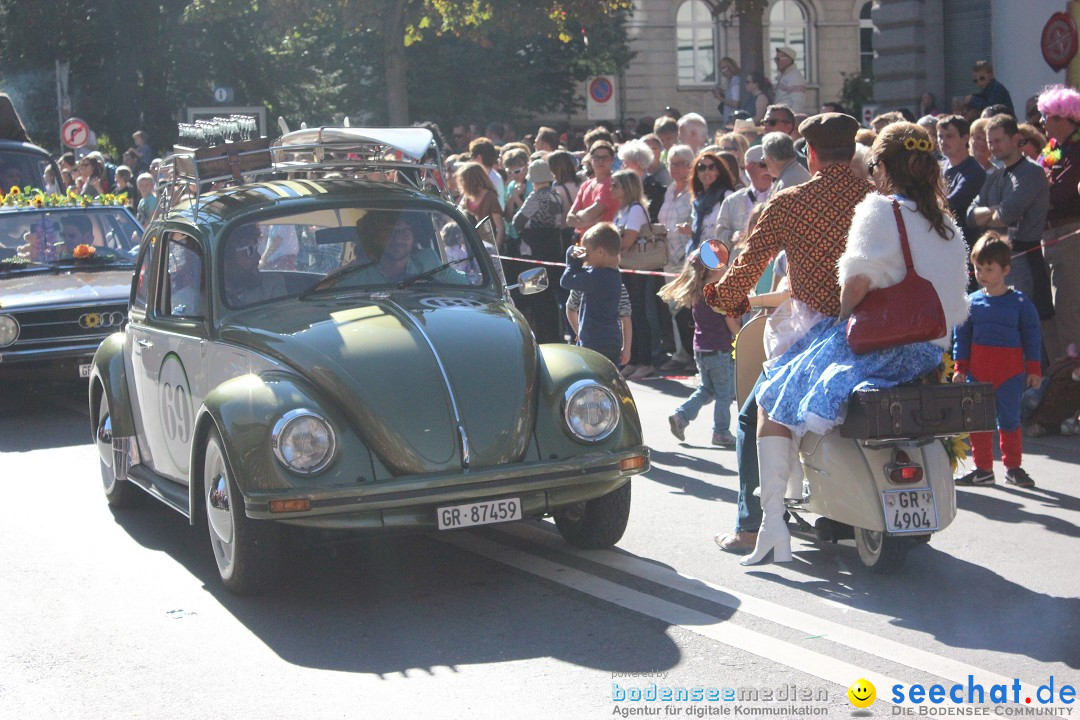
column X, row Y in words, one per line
column 125, row 187
column 593, row 268
column 999, row 344
column 145, row 186
column 713, row 334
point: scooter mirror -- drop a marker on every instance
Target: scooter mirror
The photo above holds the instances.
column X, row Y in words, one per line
column 714, row 254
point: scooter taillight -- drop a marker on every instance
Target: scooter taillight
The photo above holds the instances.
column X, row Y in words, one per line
column 902, row 471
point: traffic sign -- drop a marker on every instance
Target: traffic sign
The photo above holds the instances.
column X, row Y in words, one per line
column 601, row 103
column 75, row 133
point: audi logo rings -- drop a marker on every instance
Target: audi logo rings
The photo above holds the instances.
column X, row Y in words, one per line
column 90, row 321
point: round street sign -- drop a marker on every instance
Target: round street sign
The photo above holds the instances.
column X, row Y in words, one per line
column 75, row 133
column 1059, row 41
column 601, row 89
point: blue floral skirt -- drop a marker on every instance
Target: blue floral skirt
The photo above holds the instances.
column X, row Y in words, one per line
column 808, row 387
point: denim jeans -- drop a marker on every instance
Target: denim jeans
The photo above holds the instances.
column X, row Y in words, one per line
column 749, row 518
column 716, row 373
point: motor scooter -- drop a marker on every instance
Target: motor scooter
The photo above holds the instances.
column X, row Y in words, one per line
column 889, row 494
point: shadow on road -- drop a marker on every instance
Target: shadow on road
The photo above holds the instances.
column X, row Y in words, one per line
column 966, row 605
column 406, row 605
column 43, row 416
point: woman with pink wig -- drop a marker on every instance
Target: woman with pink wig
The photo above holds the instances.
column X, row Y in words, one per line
column 1060, row 108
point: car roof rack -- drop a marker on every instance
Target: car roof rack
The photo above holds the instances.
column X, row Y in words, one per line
column 407, row 156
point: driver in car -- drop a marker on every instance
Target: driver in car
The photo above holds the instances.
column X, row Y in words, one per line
column 390, row 243
column 42, row 244
column 243, row 283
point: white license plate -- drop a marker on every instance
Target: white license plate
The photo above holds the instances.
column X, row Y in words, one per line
column 84, row 370
column 910, row 511
column 481, row 513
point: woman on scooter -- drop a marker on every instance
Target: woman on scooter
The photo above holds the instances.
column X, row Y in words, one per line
column 808, row 387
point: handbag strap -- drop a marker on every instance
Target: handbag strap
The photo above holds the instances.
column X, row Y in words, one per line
column 903, row 236
column 645, row 232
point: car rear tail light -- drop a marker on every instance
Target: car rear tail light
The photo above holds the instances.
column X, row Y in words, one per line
column 902, row 471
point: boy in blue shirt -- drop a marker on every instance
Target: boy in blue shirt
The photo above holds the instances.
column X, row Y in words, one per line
column 1000, row 344
column 593, row 268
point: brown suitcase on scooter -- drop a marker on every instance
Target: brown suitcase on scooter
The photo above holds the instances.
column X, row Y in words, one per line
column 920, row 410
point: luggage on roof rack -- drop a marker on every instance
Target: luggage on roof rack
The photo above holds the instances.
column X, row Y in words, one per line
column 405, row 155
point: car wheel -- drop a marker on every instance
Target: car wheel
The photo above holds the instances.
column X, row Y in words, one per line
column 597, row 523
column 880, row 552
column 119, row 493
column 246, row 550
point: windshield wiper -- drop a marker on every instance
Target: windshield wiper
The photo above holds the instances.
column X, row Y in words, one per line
column 407, row 282
column 333, row 278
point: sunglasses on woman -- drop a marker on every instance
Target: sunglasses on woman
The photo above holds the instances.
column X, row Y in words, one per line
column 702, row 167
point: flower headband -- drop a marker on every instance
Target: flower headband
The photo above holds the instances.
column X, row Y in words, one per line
column 913, row 144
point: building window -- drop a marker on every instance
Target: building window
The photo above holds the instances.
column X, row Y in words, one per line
column 866, row 41
column 789, row 24
column 694, row 48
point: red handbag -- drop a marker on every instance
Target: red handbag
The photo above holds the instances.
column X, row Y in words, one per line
column 907, row 312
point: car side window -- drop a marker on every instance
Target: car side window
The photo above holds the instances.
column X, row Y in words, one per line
column 142, row 276
column 183, row 294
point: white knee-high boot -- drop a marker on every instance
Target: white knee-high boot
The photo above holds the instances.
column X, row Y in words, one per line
column 774, row 464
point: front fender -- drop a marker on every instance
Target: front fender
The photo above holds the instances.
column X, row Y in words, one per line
column 244, row 410
column 562, row 365
column 110, row 374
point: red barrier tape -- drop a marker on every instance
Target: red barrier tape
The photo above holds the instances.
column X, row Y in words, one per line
column 558, row 264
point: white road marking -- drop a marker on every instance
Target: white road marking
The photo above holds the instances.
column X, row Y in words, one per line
column 765, row 646
column 876, row 646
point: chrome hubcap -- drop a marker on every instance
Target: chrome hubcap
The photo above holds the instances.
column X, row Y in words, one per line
column 218, row 505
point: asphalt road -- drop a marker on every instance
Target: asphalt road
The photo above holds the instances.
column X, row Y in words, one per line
column 120, row 614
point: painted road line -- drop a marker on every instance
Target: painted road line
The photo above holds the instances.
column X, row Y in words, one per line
column 722, row 631
column 874, row 645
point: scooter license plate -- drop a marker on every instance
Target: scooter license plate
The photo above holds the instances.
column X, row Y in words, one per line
column 910, row 511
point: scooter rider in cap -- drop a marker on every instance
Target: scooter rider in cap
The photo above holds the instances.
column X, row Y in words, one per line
column 810, row 222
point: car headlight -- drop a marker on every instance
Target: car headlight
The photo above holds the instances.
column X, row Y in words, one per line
column 9, row 330
column 303, row 441
column 591, row 410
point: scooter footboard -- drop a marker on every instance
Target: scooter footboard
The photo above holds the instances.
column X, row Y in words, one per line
column 855, row 483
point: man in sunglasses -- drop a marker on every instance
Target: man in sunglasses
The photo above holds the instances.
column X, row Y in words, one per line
column 790, row 83
column 810, row 223
column 990, row 91
column 736, row 208
column 244, row 284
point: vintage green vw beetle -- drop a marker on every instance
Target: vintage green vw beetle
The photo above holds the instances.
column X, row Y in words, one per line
column 332, row 351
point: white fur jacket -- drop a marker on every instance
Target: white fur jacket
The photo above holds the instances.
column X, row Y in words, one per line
column 873, row 250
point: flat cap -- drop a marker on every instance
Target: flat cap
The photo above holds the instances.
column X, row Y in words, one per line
column 830, row 131
column 789, row 51
column 754, row 155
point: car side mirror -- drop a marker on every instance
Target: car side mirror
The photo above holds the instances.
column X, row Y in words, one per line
column 531, row 282
column 714, row 254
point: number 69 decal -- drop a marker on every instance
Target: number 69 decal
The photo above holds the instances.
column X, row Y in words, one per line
column 177, row 416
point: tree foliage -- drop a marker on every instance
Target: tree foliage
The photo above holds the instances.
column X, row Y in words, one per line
column 137, row 65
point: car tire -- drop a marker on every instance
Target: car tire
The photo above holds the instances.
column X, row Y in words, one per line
column 247, row 552
column 879, row 552
column 119, row 493
column 598, row 523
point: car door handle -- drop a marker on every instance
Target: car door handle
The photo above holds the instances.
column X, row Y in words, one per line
column 145, row 343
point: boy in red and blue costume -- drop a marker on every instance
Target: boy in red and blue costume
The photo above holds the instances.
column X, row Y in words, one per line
column 1000, row 344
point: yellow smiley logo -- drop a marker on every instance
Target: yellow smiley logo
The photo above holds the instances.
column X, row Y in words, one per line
column 862, row 693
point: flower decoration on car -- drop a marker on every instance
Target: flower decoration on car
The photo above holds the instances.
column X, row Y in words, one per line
column 33, row 197
column 83, row 251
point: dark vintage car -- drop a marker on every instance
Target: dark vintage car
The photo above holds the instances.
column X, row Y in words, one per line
column 340, row 353
column 25, row 165
column 57, row 304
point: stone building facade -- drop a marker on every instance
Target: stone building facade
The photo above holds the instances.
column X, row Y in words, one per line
column 678, row 43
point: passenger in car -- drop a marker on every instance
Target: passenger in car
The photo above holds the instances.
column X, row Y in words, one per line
column 390, row 241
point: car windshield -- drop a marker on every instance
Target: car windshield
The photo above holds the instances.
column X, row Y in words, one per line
column 54, row 237
column 325, row 251
column 21, row 169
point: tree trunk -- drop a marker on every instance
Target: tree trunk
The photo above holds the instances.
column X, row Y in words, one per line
column 397, row 96
column 751, row 36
